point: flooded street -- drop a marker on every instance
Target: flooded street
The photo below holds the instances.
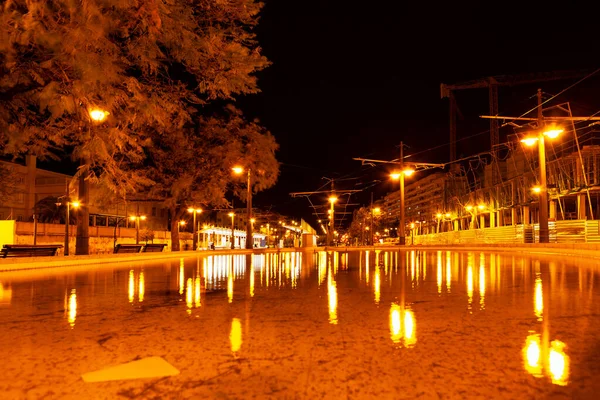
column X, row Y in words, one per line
column 384, row 324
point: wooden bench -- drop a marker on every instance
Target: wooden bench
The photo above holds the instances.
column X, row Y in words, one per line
column 153, row 247
column 29, row 250
column 128, row 248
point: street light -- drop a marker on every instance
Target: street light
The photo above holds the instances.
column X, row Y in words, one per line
column 137, row 219
column 400, row 176
column 69, row 204
column 195, row 211
column 551, row 133
column 232, row 215
column 332, row 199
column 374, row 211
column 98, row 115
column 238, row 171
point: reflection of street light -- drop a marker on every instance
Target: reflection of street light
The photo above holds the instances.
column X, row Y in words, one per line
column 400, row 176
column 232, row 215
column 69, row 204
column 137, row 219
column 195, row 211
column 249, row 230
column 543, row 191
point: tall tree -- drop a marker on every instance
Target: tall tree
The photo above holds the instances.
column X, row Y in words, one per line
column 149, row 63
column 192, row 167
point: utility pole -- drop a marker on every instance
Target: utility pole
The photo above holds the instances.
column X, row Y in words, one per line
column 371, row 219
column 249, row 238
column 543, row 219
column 331, row 216
column 401, row 235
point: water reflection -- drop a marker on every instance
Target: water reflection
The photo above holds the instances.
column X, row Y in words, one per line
column 482, row 281
column 235, row 335
column 332, row 298
column 72, row 308
column 403, row 326
column 538, row 300
column 542, row 358
column 377, row 285
column 5, row 294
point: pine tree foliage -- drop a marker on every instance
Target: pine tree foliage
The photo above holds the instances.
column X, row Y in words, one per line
column 151, row 63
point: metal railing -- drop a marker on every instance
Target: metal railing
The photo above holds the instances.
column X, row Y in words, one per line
column 572, row 231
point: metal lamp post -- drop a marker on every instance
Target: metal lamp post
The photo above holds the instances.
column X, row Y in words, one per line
column 137, row 219
column 194, row 211
column 232, row 215
column 543, row 189
column 249, row 230
column 400, row 176
column 69, row 204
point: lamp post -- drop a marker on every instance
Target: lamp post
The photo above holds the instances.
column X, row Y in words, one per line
column 400, row 176
column 332, row 199
column 232, row 215
column 82, row 240
column 137, row 219
column 252, row 221
column 194, row 211
column 69, row 204
column 374, row 211
column 412, row 233
column 543, row 189
column 238, row 171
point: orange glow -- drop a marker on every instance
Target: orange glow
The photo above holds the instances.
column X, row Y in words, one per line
column 377, row 285
column 532, row 355
column 529, row 141
column 538, row 299
column 558, row 364
column 72, row 308
column 332, row 298
column 332, row 199
column 536, row 189
column 235, row 335
column 189, row 295
column 395, row 175
column 75, row 204
column 141, row 287
column 395, row 324
column 553, row 133
column 131, row 290
column 408, row 172
column 469, row 207
column 98, row 115
column 237, row 170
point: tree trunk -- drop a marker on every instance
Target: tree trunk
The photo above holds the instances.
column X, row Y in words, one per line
column 174, row 230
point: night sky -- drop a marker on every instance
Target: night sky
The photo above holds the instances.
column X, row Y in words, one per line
column 353, row 81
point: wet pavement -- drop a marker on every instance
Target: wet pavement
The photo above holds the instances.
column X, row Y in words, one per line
column 395, row 325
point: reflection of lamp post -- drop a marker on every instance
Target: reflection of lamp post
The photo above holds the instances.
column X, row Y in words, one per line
column 400, row 176
column 249, row 230
column 543, row 190
column 137, row 218
column 232, row 215
column 69, row 204
column 195, row 211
